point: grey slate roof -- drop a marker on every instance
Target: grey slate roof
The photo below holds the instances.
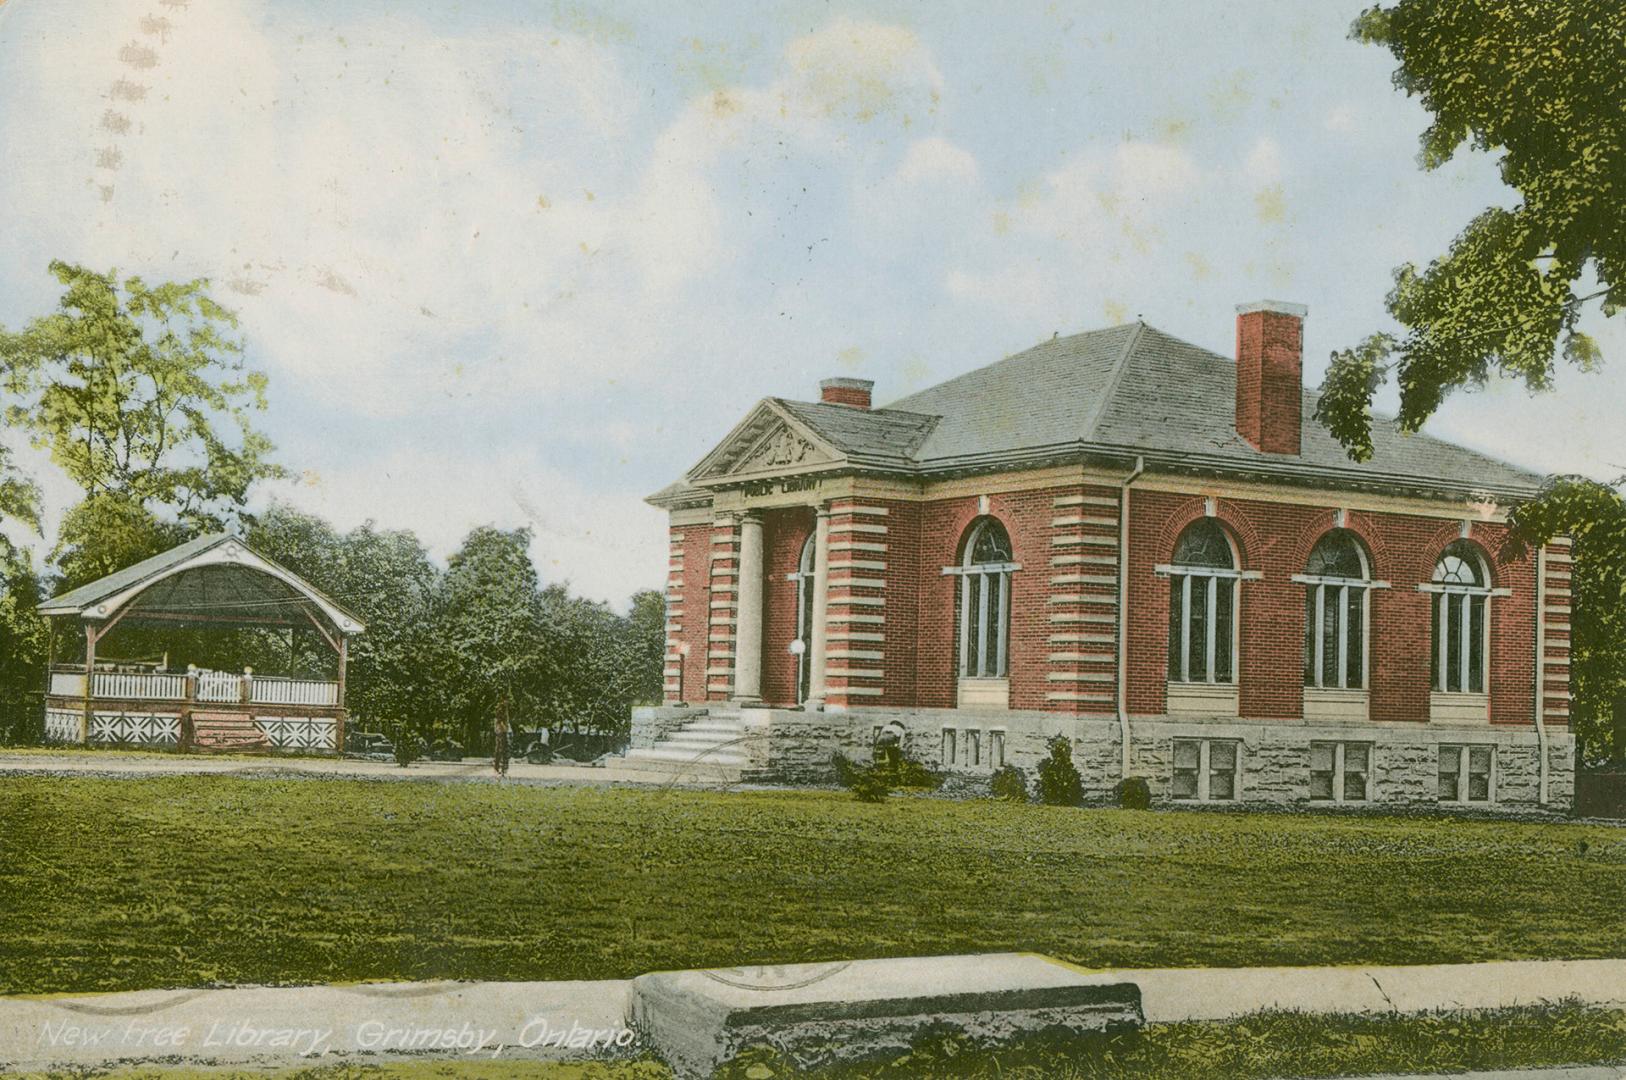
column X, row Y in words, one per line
column 1125, row 390
column 884, row 437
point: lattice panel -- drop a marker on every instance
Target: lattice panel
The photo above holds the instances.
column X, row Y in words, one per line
column 299, row 732
column 141, row 729
column 61, row 727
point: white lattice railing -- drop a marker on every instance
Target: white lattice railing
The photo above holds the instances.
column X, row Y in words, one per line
column 139, row 687
column 280, row 691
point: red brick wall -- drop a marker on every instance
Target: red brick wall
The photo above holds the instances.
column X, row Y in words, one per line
column 1026, row 516
column 1276, row 539
column 688, row 593
column 783, row 534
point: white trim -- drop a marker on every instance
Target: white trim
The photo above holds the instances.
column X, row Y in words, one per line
column 1170, row 569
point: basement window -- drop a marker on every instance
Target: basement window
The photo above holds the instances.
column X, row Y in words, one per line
column 1340, row 771
column 1466, row 773
column 1205, row 770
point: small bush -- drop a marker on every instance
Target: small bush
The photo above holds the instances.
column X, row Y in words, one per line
column 906, row 772
column 1134, row 793
column 1009, row 783
column 407, row 746
column 1059, row 781
column 868, row 783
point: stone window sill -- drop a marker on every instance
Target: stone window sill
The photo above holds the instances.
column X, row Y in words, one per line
column 1321, row 703
column 1202, row 699
column 1458, row 708
column 985, row 694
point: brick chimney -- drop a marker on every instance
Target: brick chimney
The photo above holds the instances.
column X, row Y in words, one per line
column 854, row 392
column 1270, row 374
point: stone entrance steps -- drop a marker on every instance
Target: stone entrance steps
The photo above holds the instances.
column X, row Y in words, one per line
column 709, row 749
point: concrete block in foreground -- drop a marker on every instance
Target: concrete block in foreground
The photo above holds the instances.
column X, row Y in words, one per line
column 820, row 1013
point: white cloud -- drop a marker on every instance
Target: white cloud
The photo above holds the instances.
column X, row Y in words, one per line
column 1263, row 165
column 935, row 159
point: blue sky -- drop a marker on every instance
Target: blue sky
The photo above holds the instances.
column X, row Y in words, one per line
column 522, row 263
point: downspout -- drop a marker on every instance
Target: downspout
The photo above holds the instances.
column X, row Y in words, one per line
column 1541, row 674
column 1123, row 611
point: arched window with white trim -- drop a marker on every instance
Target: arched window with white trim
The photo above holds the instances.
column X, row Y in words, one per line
column 1462, row 588
column 1202, row 605
column 985, row 601
column 1338, row 580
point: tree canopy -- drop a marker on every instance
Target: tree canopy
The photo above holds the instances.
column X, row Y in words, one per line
column 1540, row 85
column 142, row 397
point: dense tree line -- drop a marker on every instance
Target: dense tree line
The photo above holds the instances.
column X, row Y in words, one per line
column 142, row 398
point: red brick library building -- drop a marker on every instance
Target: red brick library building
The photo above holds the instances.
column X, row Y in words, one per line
column 1131, row 541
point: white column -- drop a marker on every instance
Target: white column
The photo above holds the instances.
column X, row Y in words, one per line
column 819, row 635
column 748, row 616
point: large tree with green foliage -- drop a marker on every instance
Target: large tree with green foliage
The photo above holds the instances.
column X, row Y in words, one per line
column 489, row 643
column 386, row 578
column 1541, row 86
column 142, row 397
column 1539, row 83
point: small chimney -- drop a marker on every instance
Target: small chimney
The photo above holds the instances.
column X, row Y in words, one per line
column 1270, row 374
column 854, row 392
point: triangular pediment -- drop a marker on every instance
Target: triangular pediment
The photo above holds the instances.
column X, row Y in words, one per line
column 768, row 442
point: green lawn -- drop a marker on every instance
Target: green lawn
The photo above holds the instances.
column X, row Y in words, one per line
column 120, row 884
column 1266, row 1045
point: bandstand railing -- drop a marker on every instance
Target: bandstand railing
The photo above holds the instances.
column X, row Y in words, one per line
column 214, row 687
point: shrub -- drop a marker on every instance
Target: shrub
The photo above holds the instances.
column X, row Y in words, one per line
column 1059, row 782
column 408, row 746
column 906, row 772
column 1009, row 783
column 869, row 783
column 1134, row 793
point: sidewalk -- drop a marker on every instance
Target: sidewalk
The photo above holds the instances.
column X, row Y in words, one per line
column 111, row 763
column 565, row 1020
column 1169, row 995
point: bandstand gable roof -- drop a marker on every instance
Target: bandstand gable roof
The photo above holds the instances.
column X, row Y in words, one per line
column 217, row 572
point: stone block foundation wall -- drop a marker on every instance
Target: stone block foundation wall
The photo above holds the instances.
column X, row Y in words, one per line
column 1273, row 759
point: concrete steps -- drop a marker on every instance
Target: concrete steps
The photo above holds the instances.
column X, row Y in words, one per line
column 709, row 749
column 227, row 734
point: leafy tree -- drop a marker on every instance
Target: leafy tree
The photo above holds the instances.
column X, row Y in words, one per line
column 646, row 628
column 388, row 580
column 142, row 397
column 1542, row 85
column 1593, row 515
column 23, row 637
column 488, row 646
column 107, row 532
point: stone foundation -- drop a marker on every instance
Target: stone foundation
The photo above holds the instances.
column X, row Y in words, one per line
column 1273, row 764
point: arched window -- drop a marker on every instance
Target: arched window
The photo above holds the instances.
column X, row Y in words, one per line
column 1462, row 585
column 1202, row 605
column 985, row 601
column 1335, row 612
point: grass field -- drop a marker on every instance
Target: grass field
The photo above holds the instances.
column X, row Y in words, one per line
column 193, row 880
column 1267, row 1045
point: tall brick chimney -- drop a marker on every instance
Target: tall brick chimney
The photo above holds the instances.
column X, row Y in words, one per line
column 854, row 392
column 1270, row 374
